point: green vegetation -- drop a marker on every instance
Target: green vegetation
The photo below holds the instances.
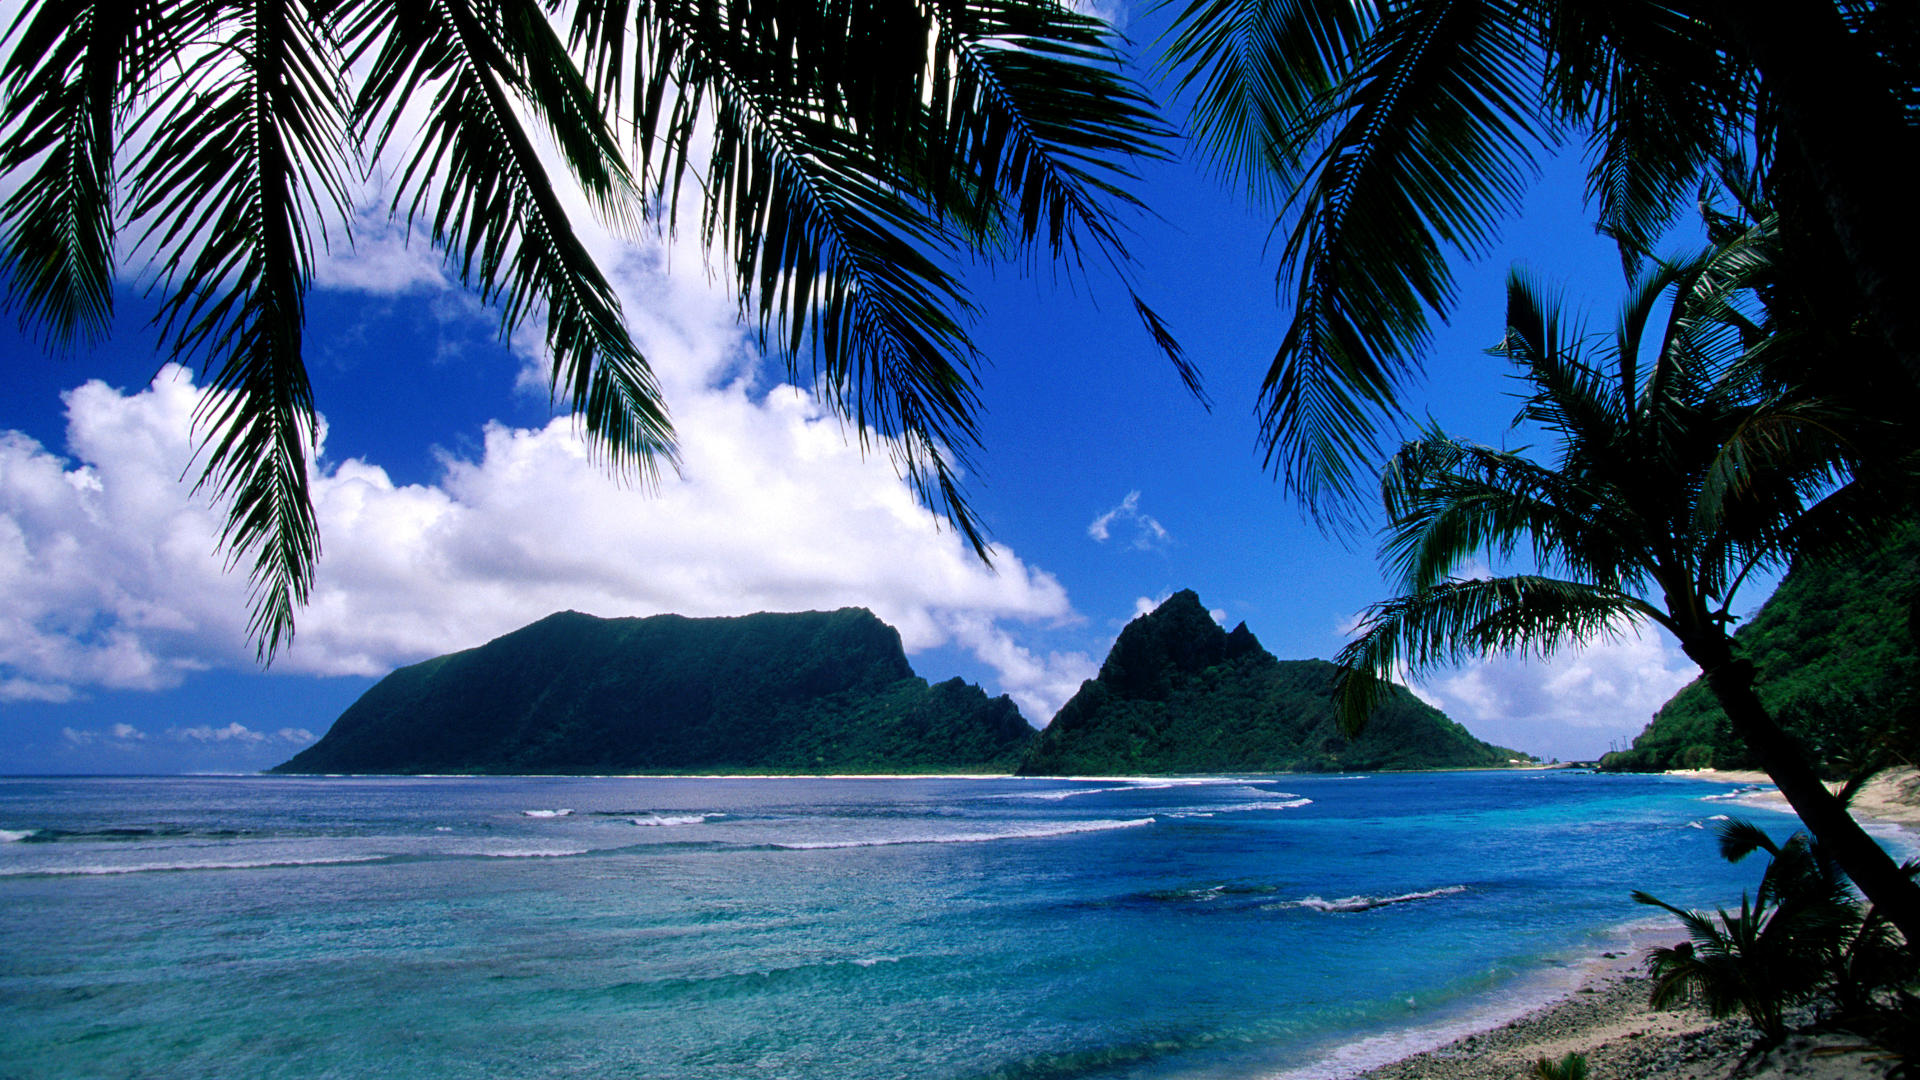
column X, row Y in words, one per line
column 1393, row 137
column 1683, row 463
column 1178, row 694
column 1834, row 659
column 1804, row 935
column 1571, row 1067
column 807, row 692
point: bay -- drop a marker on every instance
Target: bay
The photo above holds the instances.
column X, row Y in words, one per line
column 812, row 928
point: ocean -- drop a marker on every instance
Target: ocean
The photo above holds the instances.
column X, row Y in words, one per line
column 814, row 928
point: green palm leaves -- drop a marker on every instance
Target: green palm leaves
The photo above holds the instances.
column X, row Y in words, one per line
column 845, row 156
column 1802, row 934
column 1674, row 476
column 1400, row 133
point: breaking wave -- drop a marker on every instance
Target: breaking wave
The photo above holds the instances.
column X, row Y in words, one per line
column 674, row 819
column 1368, row 903
column 1024, row 832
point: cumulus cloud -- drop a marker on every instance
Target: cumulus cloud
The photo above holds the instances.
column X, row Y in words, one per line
column 1571, row 704
column 116, row 580
column 126, row 731
column 1144, row 533
column 115, row 576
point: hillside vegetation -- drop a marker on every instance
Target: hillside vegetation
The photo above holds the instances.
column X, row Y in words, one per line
column 804, row 692
column 1178, row 694
column 1836, row 661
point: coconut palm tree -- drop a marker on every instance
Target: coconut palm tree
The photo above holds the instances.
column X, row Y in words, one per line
column 1672, row 481
column 1400, row 133
column 840, row 155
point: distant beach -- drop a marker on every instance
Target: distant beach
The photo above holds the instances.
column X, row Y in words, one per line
column 1609, row 1021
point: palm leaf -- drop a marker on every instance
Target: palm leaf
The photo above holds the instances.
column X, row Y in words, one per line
column 1448, row 500
column 239, row 171
column 1261, row 72
column 1433, row 143
column 474, row 172
column 855, row 147
column 74, row 68
column 1659, row 93
column 1458, row 620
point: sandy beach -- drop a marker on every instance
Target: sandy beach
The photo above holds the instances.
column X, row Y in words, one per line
column 1609, row 1021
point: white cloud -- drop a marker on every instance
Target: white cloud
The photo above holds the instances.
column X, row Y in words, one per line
column 118, row 736
column 295, row 735
column 383, row 259
column 1147, row 534
column 115, row 577
column 206, row 733
column 1570, row 705
column 1038, row 684
column 116, row 581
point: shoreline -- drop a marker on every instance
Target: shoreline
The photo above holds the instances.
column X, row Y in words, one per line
column 1607, row 1018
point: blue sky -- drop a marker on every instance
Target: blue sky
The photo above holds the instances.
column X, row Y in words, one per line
column 455, row 506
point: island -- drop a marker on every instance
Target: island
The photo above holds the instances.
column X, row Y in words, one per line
column 1179, row 694
column 805, row 692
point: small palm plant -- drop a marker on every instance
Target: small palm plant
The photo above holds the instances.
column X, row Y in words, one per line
column 1783, row 948
column 1571, row 1067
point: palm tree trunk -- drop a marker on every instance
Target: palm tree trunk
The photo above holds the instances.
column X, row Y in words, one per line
column 1825, row 816
column 1837, row 104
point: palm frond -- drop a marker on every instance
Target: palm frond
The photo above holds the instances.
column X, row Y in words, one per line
column 1659, row 92
column 1740, row 838
column 240, row 173
column 474, row 172
column 1458, row 620
column 1261, row 72
column 1448, row 500
column 73, row 69
column 1432, row 144
column 1570, row 397
column 854, row 147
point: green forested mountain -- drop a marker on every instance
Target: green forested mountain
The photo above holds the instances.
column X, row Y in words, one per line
column 1835, row 656
column 805, row 692
column 1179, row 694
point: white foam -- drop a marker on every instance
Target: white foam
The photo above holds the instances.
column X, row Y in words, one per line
column 533, row 853
column 1032, row 832
column 674, row 819
column 1242, row 808
column 14, row 836
column 168, row 867
column 1143, row 783
column 1368, row 903
column 546, row 813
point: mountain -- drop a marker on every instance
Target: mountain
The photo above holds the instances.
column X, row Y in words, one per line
column 1178, row 694
column 1834, row 657
column 803, row 692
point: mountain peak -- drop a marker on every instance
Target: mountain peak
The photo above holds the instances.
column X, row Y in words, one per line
column 1179, row 694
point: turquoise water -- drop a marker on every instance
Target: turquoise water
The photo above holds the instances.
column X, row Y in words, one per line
column 698, row 929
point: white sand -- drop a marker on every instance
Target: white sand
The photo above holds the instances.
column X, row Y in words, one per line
column 1893, row 796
